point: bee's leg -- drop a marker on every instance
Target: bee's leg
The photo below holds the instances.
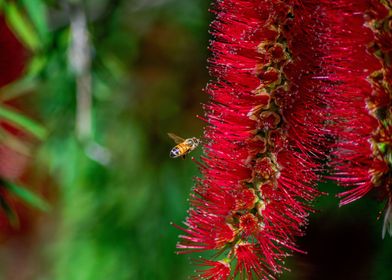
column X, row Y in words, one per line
column 183, row 157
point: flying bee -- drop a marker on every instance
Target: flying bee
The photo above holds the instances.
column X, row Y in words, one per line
column 184, row 146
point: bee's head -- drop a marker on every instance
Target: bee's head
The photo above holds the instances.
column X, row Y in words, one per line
column 196, row 141
column 193, row 142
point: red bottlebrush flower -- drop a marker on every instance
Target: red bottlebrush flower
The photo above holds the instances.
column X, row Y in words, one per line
column 264, row 137
column 248, row 261
column 246, row 199
column 249, row 224
column 362, row 97
column 217, row 270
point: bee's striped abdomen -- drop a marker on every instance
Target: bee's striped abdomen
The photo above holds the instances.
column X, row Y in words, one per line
column 175, row 152
column 179, row 150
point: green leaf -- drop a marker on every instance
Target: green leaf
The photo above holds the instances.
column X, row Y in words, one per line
column 14, row 142
column 21, row 26
column 11, row 214
column 27, row 196
column 36, row 64
column 23, row 122
column 18, row 88
column 382, row 147
column 37, row 13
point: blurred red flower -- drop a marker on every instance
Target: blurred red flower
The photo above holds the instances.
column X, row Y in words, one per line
column 12, row 55
column 361, row 111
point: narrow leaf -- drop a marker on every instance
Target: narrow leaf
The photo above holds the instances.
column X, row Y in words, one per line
column 37, row 13
column 18, row 88
column 21, row 26
column 10, row 213
column 14, row 142
column 23, row 122
column 27, row 196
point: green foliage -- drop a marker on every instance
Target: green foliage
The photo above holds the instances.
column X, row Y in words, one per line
column 21, row 25
column 23, row 122
column 9, row 211
column 36, row 10
column 26, row 195
column 120, row 191
column 25, row 31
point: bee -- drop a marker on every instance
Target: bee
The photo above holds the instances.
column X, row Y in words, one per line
column 184, row 146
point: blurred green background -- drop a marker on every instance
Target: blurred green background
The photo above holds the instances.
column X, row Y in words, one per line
column 97, row 201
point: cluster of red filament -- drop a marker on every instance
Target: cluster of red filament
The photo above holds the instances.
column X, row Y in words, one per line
column 265, row 125
column 288, row 77
column 361, row 112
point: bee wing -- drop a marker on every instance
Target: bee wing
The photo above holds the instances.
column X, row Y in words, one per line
column 177, row 139
column 387, row 226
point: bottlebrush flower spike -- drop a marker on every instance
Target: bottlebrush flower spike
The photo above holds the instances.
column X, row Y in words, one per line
column 263, row 140
column 361, row 103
